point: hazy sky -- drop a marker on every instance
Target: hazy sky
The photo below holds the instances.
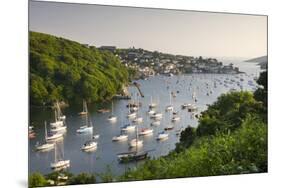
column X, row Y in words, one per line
column 176, row 32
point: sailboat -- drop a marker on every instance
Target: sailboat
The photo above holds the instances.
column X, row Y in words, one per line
column 131, row 114
column 59, row 164
column 112, row 118
column 136, row 142
column 57, row 122
column 84, row 112
column 90, row 145
column 152, row 104
column 134, row 155
column 45, row 146
column 53, row 137
column 60, row 115
column 170, row 107
column 88, row 127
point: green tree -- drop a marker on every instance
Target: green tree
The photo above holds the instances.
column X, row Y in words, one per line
column 37, row 180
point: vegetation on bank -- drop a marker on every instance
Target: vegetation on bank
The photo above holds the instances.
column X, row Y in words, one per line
column 231, row 138
column 65, row 70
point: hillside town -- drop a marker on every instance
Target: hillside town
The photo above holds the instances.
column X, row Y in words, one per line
column 148, row 63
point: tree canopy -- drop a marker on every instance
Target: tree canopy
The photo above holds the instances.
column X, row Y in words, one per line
column 61, row 69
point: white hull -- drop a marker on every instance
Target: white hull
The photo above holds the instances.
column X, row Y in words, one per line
column 128, row 128
column 90, row 146
column 132, row 115
column 169, row 108
column 146, row 132
column 162, row 136
column 138, row 120
column 54, row 137
column 151, row 112
column 120, row 138
column 60, row 164
column 62, row 117
column 135, row 143
column 84, row 129
column 112, row 119
column 56, row 124
column 59, row 129
column 156, row 123
column 175, row 119
column 157, row 116
column 46, row 146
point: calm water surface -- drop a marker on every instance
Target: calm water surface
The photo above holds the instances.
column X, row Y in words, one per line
column 159, row 87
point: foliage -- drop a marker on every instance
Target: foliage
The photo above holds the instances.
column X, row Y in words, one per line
column 61, row 69
column 227, row 113
column 244, row 151
column 261, row 93
column 82, row 178
column 186, row 138
column 37, row 180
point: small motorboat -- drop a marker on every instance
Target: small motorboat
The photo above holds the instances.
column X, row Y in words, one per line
column 121, row 137
column 169, row 127
column 157, row 115
column 132, row 115
column 103, row 110
column 96, row 136
column 128, row 127
column 169, row 108
column 162, row 135
column 151, row 112
column 175, row 118
column 85, row 129
column 112, row 118
column 155, row 123
column 138, row 120
column 146, row 131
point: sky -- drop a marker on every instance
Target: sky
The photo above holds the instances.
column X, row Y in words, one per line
column 169, row 31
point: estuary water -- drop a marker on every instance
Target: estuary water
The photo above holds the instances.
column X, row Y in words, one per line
column 158, row 88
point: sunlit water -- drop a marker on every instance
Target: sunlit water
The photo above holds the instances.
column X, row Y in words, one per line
column 159, row 87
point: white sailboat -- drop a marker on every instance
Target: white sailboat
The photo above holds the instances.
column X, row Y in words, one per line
column 90, row 145
column 84, row 111
column 57, row 122
column 60, row 114
column 170, row 107
column 53, row 137
column 131, row 114
column 88, row 128
column 152, row 104
column 136, row 142
column 59, row 164
column 45, row 146
column 112, row 118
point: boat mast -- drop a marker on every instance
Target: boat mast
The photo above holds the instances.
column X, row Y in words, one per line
column 111, row 108
column 137, row 139
column 55, row 152
column 46, row 131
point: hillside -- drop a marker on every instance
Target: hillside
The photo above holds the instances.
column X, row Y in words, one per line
column 261, row 59
column 65, row 70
